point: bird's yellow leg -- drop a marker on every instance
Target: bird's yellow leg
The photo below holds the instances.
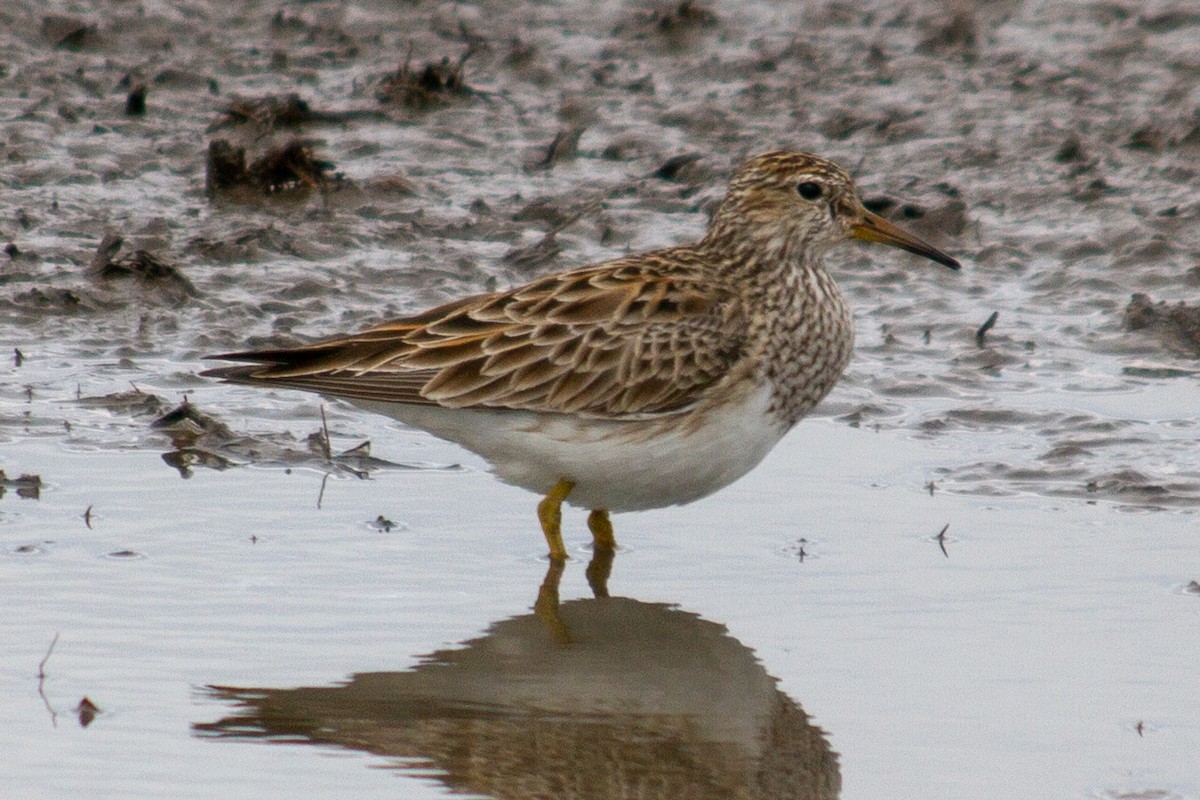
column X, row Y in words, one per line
column 602, row 530
column 604, row 547
column 550, row 515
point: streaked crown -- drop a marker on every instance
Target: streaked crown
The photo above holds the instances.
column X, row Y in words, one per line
column 787, row 204
column 787, row 207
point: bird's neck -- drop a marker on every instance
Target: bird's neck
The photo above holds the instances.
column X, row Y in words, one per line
column 764, row 259
column 798, row 321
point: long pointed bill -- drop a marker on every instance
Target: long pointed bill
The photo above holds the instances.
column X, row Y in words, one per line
column 875, row 228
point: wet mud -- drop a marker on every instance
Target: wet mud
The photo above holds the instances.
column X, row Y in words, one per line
column 278, row 172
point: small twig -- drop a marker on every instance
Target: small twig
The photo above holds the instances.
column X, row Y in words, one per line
column 985, row 327
column 325, row 429
column 42, row 681
column 321, row 494
column 941, row 539
column 45, row 658
column 87, row 517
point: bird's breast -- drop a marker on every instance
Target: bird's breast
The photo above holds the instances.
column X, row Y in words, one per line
column 808, row 342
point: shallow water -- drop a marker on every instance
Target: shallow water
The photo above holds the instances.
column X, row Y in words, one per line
column 1022, row 662
column 1049, row 651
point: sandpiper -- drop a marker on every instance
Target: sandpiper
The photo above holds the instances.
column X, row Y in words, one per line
column 646, row 381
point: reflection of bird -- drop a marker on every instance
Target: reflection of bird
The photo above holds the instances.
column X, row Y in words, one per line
column 641, row 382
column 649, row 701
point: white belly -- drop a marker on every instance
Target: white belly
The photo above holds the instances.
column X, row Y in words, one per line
column 614, row 465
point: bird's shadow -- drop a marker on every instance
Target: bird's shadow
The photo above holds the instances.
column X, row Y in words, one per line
column 625, row 699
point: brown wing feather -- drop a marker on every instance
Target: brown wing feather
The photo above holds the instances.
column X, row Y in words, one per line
column 621, row 338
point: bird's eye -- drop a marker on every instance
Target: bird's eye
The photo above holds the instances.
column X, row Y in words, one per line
column 809, row 190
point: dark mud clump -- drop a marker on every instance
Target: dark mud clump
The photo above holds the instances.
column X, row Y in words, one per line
column 131, row 403
column 423, row 88
column 1176, row 326
column 268, row 112
column 290, row 167
column 148, row 270
column 200, row 439
column 26, row 486
column 675, row 24
column 135, row 101
column 69, row 33
column 956, row 36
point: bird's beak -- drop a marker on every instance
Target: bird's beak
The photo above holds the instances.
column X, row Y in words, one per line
column 874, row 228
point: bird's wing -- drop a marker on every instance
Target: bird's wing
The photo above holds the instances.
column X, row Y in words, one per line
column 625, row 338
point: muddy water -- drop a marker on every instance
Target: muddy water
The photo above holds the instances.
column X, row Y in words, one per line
column 1048, row 651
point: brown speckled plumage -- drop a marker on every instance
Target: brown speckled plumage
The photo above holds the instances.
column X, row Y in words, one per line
column 630, row 351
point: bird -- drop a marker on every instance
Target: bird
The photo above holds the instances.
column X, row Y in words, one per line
column 649, row 380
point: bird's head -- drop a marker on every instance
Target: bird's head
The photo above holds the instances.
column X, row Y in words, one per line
column 790, row 204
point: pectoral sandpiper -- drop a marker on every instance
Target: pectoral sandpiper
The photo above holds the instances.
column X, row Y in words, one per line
column 646, row 381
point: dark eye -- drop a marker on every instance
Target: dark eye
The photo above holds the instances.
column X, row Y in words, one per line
column 809, row 190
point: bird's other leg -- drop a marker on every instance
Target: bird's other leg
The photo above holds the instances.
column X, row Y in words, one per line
column 604, row 547
column 602, row 530
column 550, row 515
